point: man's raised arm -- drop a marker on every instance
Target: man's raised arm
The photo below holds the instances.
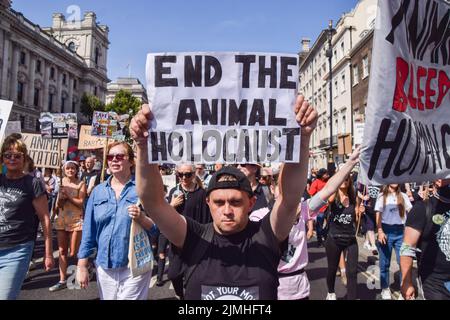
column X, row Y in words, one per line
column 149, row 184
column 293, row 176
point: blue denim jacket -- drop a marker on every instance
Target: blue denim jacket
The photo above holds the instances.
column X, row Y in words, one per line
column 107, row 225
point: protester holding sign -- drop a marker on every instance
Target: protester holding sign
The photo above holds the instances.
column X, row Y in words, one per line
column 391, row 209
column 22, row 198
column 428, row 230
column 251, row 270
column 109, row 212
column 69, row 222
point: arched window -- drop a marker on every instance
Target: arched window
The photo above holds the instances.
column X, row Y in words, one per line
column 72, row 46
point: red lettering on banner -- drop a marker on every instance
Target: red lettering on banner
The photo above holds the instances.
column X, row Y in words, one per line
column 418, row 89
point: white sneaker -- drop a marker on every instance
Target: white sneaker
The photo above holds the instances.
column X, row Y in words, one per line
column 386, row 294
column 331, row 296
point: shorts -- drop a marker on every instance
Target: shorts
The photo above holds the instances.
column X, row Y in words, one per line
column 69, row 221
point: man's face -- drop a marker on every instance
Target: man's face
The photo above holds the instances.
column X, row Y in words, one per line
column 230, row 209
column 90, row 162
column 199, row 170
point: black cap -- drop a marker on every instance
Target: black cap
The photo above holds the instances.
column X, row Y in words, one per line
column 242, row 183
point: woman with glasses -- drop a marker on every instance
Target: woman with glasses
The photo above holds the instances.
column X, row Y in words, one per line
column 110, row 210
column 189, row 199
column 22, row 198
column 69, row 222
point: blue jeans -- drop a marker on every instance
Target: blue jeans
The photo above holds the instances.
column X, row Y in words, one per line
column 394, row 235
column 14, row 263
column 320, row 231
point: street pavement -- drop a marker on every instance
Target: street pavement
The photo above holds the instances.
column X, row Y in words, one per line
column 37, row 282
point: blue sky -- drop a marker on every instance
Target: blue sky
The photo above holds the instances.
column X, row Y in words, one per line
column 138, row 27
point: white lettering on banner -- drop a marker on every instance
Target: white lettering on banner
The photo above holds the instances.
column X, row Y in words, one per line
column 223, row 107
column 407, row 130
column 45, row 152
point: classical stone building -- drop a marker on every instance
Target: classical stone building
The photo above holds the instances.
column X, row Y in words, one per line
column 129, row 84
column 361, row 56
column 49, row 69
column 315, row 79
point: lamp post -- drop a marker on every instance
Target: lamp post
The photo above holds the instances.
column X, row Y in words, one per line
column 329, row 55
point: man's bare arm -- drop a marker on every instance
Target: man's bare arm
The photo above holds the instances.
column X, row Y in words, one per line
column 150, row 187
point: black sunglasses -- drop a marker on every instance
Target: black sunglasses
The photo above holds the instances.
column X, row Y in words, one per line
column 186, row 174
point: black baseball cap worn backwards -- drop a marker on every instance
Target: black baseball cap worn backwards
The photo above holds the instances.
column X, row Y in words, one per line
column 241, row 183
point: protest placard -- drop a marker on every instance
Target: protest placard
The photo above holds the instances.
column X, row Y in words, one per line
column 223, row 107
column 59, row 125
column 88, row 142
column 5, row 110
column 407, row 131
column 45, row 152
column 13, row 127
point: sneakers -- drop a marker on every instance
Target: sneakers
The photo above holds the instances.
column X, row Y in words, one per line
column 159, row 283
column 386, row 294
column 331, row 296
column 58, row 286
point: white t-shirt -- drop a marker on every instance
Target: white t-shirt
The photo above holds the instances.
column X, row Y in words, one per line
column 390, row 214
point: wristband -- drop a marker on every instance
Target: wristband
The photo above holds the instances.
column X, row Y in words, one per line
column 408, row 251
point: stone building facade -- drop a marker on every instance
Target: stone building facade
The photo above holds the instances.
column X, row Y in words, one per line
column 132, row 85
column 49, row 69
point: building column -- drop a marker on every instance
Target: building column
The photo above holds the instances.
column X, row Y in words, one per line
column 6, row 58
column 57, row 103
column 31, row 77
column 46, row 85
column 70, row 99
column 14, row 70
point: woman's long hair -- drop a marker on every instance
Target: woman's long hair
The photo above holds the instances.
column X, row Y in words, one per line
column 350, row 192
column 400, row 200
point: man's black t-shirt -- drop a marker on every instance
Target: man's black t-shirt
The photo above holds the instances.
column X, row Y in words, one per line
column 436, row 242
column 18, row 219
column 242, row 266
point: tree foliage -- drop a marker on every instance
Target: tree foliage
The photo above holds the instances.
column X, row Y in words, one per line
column 124, row 103
column 89, row 104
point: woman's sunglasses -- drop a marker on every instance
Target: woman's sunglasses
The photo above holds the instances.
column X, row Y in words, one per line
column 15, row 156
column 186, row 174
column 118, row 156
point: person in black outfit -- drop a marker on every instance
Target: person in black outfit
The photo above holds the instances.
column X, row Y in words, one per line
column 231, row 257
column 428, row 227
column 189, row 199
column 264, row 196
column 342, row 238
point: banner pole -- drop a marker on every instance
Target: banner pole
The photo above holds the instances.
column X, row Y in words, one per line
column 60, row 160
column 105, row 148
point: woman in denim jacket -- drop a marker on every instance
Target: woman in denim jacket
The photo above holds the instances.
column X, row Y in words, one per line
column 109, row 213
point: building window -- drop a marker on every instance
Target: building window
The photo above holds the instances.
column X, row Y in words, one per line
column 75, row 84
column 52, row 73
column 20, row 91
column 97, row 55
column 37, row 125
column 344, row 127
column 72, row 47
column 22, row 121
column 336, row 88
column 342, row 48
column 36, row 97
column 95, row 90
column 63, row 104
column 74, row 107
column 355, row 75
column 64, row 79
column 343, row 83
column 365, row 66
column 23, row 57
column 50, row 102
column 38, row 66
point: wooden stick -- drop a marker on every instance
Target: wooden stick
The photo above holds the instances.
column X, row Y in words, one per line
column 60, row 160
column 105, row 149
